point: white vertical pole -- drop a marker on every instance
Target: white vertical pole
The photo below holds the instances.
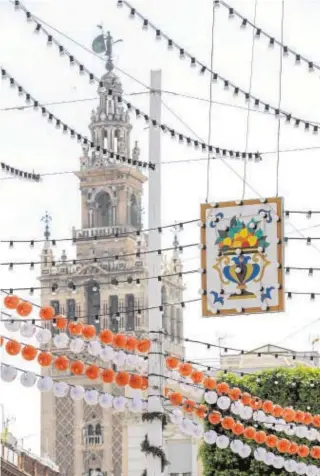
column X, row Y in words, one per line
column 154, row 428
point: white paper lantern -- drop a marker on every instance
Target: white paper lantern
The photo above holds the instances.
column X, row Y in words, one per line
column 61, row 341
column 301, row 468
column 290, row 465
column 211, row 397
column 91, row 397
column 301, row 431
column 135, row 405
column 60, row 389
column 77, row 345
column 260, row 416
column 77, row 392
column 210, row 437
column 119, row 403
column 94, row 348
column 246, row 413
column 130, row 362
column 119, row 358
column 12, row 326
column 27, row 329
column 269, row 458
column 8, row 373
column 245, row 451
column 43, row 336
column 198, row 431
column 28, row 379
column 107, row 354
column 105, row 400
column 288, row 430
column 186, row 426
column 222, row 442
column 234, row 447
column 45, row 384
column 312, row 434
column 311, row 470
column 259, row 454
column 223, row 403
column 176, row 416
column 278, row 462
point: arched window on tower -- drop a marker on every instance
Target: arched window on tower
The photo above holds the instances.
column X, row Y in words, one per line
column 98, row 429
column 93, row 303
column 104, row 210
column 90, row 430
column 134, row 211
column 173, row 323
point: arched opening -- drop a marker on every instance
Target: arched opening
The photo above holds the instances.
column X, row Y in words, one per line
column 93, row 304
column 104, row 210
column 98, row 429
column 90, row 430
column 134, row 211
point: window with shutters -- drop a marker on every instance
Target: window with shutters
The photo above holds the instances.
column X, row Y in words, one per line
column 113, row 309
column 71, row 308
column 129, row 312
column 56, row 306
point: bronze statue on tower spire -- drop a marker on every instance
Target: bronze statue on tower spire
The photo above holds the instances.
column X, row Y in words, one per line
column 104, row 44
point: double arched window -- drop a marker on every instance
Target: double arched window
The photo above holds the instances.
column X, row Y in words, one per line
column 134, row 211
column 104, row 213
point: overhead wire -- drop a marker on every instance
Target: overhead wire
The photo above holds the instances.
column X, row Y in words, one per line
column 248, row 111
column 279, row 102
column 210, row 100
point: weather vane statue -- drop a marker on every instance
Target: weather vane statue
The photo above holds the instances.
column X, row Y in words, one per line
column 104, row 44
column 46, row 219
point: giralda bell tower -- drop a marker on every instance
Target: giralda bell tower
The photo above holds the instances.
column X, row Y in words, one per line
column 102, row 290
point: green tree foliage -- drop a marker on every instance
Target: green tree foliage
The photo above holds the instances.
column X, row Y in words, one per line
column 298, row 388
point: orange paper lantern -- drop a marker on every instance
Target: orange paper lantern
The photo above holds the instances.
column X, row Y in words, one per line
column 119, row 341
column 222, row 387
column 283, row 445
column 61, row 322
column 210, row 383
column 249, row 433
column 44, row 359
column 176, row 398
column 201, row 411
column 77, row 367
column 303, row 451
column 107, row 375
column 246, row 397
column 214, row 418
column 235, row 393
column 185, row 369
column 12, row 347
column 143, row 346
column 238, row 429
column 131, row 344
column 260, row 437
column 24, row 308
column 88, row 332
column 29, row 352
column 11, row 302
column 135, row 382
column 92, row 372
column 106, row 336
column 75, row 328
column 197, row 376
column 122, row 379
column 271, row 441
column 172, row 362
column 61, row 363
column 267, row 406
column 228, row 423
column 47, row 313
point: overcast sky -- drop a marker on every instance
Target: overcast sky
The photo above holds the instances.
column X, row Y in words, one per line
column 28, row 142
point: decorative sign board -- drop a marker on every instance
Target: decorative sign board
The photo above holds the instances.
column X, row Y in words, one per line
column 242, row 257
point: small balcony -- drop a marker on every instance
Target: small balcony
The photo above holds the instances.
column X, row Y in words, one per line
column 93, row 440
column 101, row 232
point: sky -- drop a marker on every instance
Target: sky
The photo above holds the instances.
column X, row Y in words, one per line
column 28, row 142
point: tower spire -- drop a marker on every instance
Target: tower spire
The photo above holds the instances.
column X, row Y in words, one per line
column 46, row 219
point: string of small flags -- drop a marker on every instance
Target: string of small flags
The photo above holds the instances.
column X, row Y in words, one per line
column 182, row 138
column 228, row 85
column 259, row 33
column 20, row 173
column 52, row 118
